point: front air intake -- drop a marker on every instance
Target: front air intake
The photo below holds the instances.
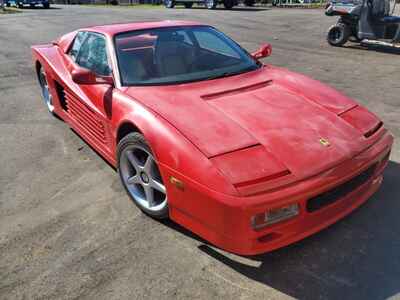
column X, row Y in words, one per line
column 340, row 191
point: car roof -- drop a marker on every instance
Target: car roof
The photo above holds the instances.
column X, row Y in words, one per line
column 114, row 29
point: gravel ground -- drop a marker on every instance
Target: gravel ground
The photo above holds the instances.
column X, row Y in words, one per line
column 68, row 230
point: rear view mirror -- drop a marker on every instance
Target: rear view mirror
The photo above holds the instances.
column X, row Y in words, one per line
column 85, row 76
column 264, row 51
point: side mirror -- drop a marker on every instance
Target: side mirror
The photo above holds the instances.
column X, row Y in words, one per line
column 264, row 51
column 85, row 76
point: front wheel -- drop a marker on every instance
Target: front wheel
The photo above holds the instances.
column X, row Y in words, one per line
column 338, row 34
column 46, row 5
column 211, row 4
column 169, row 3
column 141, row 176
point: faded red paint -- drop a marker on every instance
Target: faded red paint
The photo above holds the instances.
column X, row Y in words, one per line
column 241, row 145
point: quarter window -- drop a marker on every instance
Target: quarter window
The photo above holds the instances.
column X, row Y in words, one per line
column 92, row 53
column 79, row 39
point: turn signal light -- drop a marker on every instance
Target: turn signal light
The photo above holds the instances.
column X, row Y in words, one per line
column 275, row 215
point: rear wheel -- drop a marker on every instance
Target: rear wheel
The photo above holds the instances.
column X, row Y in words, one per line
column 338, row 34
column 46, row 5
column 141, row 176
column 211, row 4
column 228, row 4
column 169, row 3
column 47, row 97
column 188, row 4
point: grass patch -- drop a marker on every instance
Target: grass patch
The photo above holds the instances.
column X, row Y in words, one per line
column 9, row 10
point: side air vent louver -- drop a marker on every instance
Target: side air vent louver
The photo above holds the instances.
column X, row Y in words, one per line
column 85, row 117
column 61, row 96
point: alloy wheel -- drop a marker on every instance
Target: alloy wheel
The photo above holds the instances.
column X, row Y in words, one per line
column 48, row 98
column 142, row 178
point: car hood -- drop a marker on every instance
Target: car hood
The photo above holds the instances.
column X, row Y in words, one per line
column 286, row 113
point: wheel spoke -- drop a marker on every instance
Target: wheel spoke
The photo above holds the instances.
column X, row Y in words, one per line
column 149, row 192
column 157, row 186
column 134, row 161
column 148, row 165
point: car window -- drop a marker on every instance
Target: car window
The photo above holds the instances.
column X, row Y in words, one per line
column 93, row 55
column 79, row 39
column 209, row 41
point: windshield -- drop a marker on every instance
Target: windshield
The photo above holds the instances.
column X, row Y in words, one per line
column 178, row 54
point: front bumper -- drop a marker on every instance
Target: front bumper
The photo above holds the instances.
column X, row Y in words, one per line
column 225, row 220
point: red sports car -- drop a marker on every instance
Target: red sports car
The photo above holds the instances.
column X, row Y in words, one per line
column 249, row 156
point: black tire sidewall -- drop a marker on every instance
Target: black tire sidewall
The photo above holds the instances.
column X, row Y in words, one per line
column 228, row 4
column 132, row 139
column 344, row 34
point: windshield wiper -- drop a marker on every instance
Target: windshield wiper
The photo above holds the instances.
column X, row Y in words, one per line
column 227, row 74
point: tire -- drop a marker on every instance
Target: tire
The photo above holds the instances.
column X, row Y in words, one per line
column 8, row 4
column 46, row 94
column 169, row 3
column 46, row 5
column 249, row 2
column 20, row 5
column 188, row 4
column 211, row 4
column 228, row 4
column 140, row 176
column 338, row 34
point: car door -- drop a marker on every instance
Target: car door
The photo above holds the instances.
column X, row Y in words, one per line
column 88, row 105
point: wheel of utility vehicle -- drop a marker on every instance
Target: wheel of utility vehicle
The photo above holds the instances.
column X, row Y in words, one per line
column 211, row 4
column 46, row 5
column 228, row 4
column 8, row 4
column 44, row 85
column 20, row 5
column 338, row 34
column 169, row 3
column 188, row 4
column 141, row 176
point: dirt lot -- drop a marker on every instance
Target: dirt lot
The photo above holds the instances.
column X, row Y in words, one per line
column 68, row 230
